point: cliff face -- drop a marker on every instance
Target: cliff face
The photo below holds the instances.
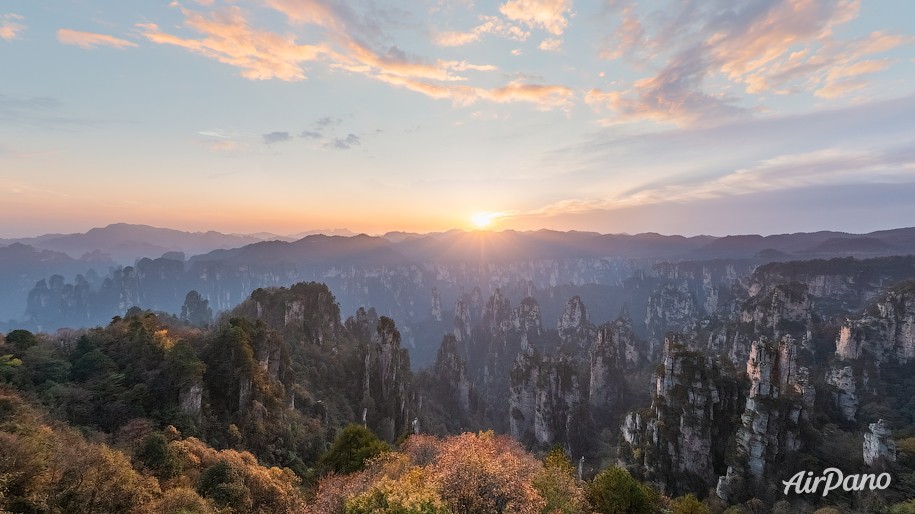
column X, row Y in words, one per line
column 450, row 372
column 780, row 397
column 886, row 330
column 575, row 329
column 526, row 318
column 614, row 353
column 672, row 308
column 545, row 398
column 693, row 404
column 879, row 447
column 463, row 321
column 386, row 386
column 883, row 335
column 436, row 311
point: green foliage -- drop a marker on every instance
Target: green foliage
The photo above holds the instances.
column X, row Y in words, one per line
column 156, row 455
column 353, row 447
column 557, row 459
column 615, row 491
column 907, row 507
column 223, row 484
column 196, row 310
column 560, row 490
column 688, row 504
column 21, row 340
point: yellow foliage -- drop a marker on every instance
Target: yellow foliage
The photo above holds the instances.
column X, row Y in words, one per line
column 163, row 340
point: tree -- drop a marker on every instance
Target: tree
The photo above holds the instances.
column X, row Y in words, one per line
column 20, row 341
column 688, row 504
column 557, row 484
column 486, row 474
column 196, row 310
column 225, row 485
column 156, row 455
column 615, row 491
column 410, row 493
column 353, row 447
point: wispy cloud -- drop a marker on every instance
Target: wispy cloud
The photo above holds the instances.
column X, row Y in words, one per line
column 91, row 40
column 489, row 25
column 261, row 55
column 10, row 26
column 829, row 167
column 779, row 46
column 353, row 43
column 749, row 157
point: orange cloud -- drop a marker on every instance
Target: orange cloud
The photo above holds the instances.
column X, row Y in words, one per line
column 261, row 55
column 90, row 40
column 785, row 47
column 348, row 47
column 550, row 15
column 541, row 95
column 9, row 29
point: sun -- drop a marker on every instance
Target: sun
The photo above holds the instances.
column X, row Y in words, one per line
column 483, row 219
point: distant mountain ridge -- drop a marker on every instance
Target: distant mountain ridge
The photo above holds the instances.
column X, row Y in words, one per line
column 124, row 242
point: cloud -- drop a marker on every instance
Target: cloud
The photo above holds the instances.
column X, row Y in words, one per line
column 9, row 28
column 550, row 15
column 353, row 43
column 489, row 25
column 551, row 45
column 822, row 168
column 542, row 95
column 223, row 146
column 347, row 142
column 674, row 95
column 276, row 137
column 813, row 150
column 261, row 55
column 90, row 40
column 777, row 46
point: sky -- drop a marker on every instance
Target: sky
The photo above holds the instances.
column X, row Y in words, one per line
column 681, row 117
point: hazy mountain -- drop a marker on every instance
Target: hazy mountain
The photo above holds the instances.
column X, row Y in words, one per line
column 125, row 243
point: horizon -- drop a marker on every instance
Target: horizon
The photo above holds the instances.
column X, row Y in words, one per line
column 421, row 117
column 345, row 232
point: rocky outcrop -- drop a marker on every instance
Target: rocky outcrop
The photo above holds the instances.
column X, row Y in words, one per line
column 463, row 322
column 526, row 318
column 784, row 309
column 575, row 329
column 671, row 308
column 450, row 372
column 845, row 395
column 436, row 311
column 497, row 313
column 778, row 401
column 886, row 330
column 879, row 446
column 693, row 403
column 386, row 381
column 545, row 398
column 190, row 399
column 615, row 351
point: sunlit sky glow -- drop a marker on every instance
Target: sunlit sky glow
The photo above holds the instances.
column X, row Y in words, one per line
column 716, row 117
